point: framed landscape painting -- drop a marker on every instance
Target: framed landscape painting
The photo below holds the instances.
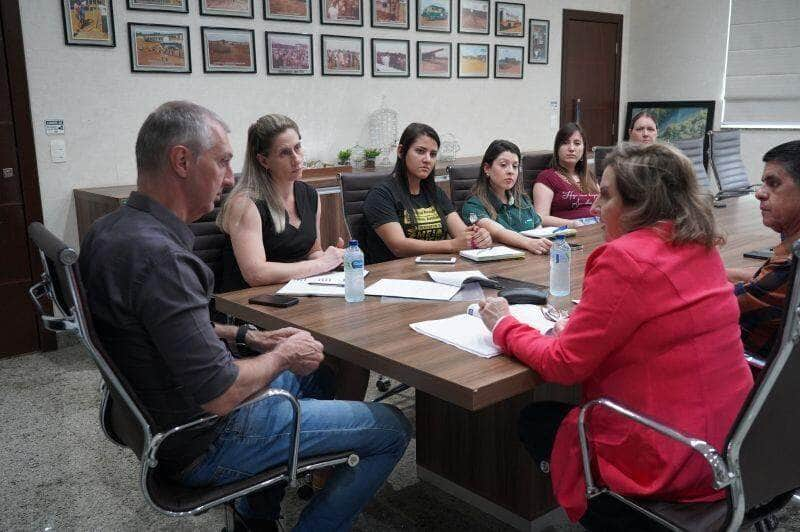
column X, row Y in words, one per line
column 434, row 15
column 390, row 14
column 227, row 8
column 290, row 54
column 473, row 16
column 88, row 24
column 538, row 41
column 228, row 50
column 342, row 56
column 677, row 120
column 159, row 48
column 180, row 6
column 509, row 19
column 434, row 59
column 294, row 10
column 390, row 58
column 508, row 61
column 473, row 60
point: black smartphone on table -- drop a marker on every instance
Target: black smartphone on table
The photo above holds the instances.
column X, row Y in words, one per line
column 269, row 300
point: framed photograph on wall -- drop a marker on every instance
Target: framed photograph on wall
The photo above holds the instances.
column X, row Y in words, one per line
column 343, row 12
column 538, row 41
column 294, row 10
column 390, row 14
column 391, row 58
column 159, row 48
column 473, row 16
column 228, row 50
column 290, row 54
column 473, row 60
column 342, row 56
column 508, row 61
column 434, row 59
column 88, row 24
column 180, row 6
column 434, row 15
column 227, row 8
column 677, row 120
column 509, row 19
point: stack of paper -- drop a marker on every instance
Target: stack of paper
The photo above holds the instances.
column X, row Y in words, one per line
column 493, row 253
column 471, row 335
column 331, row 278
column 548, row 232
column 301, row 287
column 412, row 289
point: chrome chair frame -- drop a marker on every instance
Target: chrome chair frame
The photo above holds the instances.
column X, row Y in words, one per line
column 74, row 320
column 726, row 469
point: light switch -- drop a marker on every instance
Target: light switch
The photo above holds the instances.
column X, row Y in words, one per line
column 58, row 151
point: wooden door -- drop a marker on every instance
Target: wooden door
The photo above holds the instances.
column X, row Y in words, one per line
column 590, row 74
column 19, row 195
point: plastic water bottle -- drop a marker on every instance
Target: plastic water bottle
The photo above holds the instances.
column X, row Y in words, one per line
column 560, row 255
column 353, row 273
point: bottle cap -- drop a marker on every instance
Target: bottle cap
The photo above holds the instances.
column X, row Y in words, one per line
column 354, row 242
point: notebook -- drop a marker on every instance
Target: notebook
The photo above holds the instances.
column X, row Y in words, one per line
column 469, row 334
column 301, row 287
column 460, row 278
column 412, row 289
column 493, row 253
column 331, row 278
column 548, row 232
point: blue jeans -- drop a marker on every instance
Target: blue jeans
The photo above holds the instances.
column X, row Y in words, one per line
column 258, row 437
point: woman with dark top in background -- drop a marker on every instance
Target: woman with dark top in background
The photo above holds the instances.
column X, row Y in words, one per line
column 563, row 193
column 408, row 214
column 498, row 202
column 643, row 129
column 272, row 221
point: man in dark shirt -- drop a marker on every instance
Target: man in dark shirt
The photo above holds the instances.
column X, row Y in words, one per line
column 762, row 292
column 149, row 294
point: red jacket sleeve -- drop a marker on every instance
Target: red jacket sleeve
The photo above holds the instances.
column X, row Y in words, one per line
column 603, row 321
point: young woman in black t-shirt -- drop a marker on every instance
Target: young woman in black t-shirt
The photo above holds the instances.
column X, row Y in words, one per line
column 408, row 214
column 271, row 217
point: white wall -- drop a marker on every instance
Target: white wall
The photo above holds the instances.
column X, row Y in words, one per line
column 103, row 103
column 677, row 52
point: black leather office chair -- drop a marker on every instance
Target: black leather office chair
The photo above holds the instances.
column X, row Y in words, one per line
column 532, row 163
column 600, row 153
column 124, row 418
column 760, row 465
column 355, row 187
column 693, row 149
column 726, row 160
column 462, row 178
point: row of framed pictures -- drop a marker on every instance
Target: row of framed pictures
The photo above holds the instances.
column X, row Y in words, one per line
column 91, row 22
column 161, row 48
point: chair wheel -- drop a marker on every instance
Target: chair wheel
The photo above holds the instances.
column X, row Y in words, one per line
column 305, row 492
column 383, row 385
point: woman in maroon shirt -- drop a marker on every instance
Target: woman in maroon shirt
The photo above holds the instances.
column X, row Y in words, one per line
column 656, row 330
column 564, row 192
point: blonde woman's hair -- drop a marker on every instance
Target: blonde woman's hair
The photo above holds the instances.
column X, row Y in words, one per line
column 657, row 183
column 256, row 182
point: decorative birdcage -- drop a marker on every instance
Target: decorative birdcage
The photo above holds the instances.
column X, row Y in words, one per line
column 383, row 131
column 357, row 157
column 449, row 148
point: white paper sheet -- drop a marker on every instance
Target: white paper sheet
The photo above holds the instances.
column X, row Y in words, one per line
column 299, row 287
column 493, row 253
column 331, row 278
column 455, row 278
column 411, row 289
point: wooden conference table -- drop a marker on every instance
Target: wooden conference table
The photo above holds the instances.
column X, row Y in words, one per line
column 466, row 406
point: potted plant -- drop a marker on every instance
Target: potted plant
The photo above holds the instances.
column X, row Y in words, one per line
column 344, row 157
column 369, row 157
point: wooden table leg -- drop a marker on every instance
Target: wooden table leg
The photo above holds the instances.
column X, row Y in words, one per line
column 480, row 452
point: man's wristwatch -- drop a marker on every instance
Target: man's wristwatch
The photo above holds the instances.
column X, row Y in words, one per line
column 241, row 334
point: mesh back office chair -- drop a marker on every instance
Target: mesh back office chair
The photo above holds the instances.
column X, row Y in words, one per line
column 600, row 154
column 355, row 187
column 462, row 178
column 760, row 465
column 726, row 159
column 124, row 418
column 693, row 149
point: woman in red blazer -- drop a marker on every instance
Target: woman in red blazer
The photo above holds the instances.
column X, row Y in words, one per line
column 656, row 330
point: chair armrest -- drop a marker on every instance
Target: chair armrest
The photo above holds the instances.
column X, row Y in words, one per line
column 755, row 362
column 149, row 459
column 722, row 477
